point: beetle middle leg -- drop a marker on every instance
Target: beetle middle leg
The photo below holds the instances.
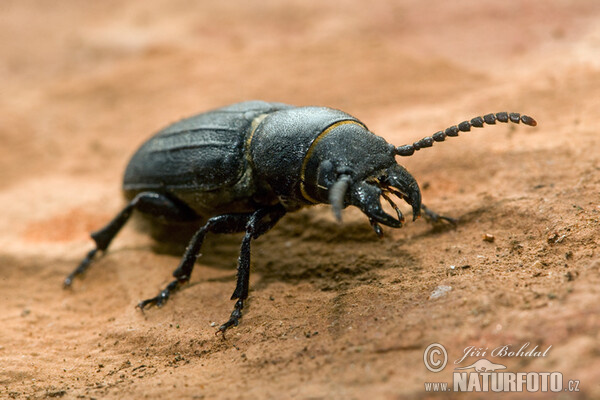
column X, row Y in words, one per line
column 226, row 223
column 259, row 223
column 151, row 203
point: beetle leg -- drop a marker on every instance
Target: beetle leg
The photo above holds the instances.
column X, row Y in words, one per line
column 435, row 219
column 146, row 202
column 257, row 225
column 226, row 223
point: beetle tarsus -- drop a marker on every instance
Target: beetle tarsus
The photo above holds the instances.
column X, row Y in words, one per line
column 436, row 219
column 234, row 319
column 81, row 268
column 161, row 299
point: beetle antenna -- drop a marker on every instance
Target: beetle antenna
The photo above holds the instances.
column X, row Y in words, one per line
column 337, row 194
column 465, row 126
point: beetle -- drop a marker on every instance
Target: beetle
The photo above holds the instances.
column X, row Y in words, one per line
column 241, row 168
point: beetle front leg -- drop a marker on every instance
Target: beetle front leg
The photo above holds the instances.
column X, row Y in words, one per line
column 436, row 219
column 259, row 223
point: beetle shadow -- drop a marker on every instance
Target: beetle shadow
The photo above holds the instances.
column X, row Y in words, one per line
column 306, row 245
column 309, row 246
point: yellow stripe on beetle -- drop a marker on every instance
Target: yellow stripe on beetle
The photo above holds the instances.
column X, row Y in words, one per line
column 311, row 150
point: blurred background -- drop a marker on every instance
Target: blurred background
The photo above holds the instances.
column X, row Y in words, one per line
column 116, row 72
column 84, row 83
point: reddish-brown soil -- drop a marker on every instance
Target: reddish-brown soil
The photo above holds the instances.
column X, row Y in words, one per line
column 333, row 312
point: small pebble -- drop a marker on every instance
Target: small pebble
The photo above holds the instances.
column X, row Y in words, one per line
column 439, row 292
column 488, row 237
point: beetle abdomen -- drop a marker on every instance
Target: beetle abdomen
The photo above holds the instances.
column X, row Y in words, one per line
column 203, row 158
column 201, row 153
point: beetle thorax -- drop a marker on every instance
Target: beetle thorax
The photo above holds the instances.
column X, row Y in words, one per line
column 284, row 146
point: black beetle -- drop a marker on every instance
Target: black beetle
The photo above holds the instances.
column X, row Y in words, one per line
column 240, row 168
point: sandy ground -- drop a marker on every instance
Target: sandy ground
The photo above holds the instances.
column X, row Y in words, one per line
column 334, row 312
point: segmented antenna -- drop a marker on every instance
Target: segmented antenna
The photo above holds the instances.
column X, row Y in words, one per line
column 465, row 126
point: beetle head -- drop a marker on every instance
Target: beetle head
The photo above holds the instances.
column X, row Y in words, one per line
column 366, row 194
column 349, row 165
column 352, row 166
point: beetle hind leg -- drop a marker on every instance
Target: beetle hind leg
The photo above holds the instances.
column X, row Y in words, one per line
column 146, row 202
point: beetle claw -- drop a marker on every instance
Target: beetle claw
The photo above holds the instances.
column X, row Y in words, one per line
column 435, row 218
column 234, row 319
column 146, row 303
column 81, row 268
column 161, row 299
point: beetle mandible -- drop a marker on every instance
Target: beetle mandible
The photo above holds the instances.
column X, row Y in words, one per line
column 242, row 167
